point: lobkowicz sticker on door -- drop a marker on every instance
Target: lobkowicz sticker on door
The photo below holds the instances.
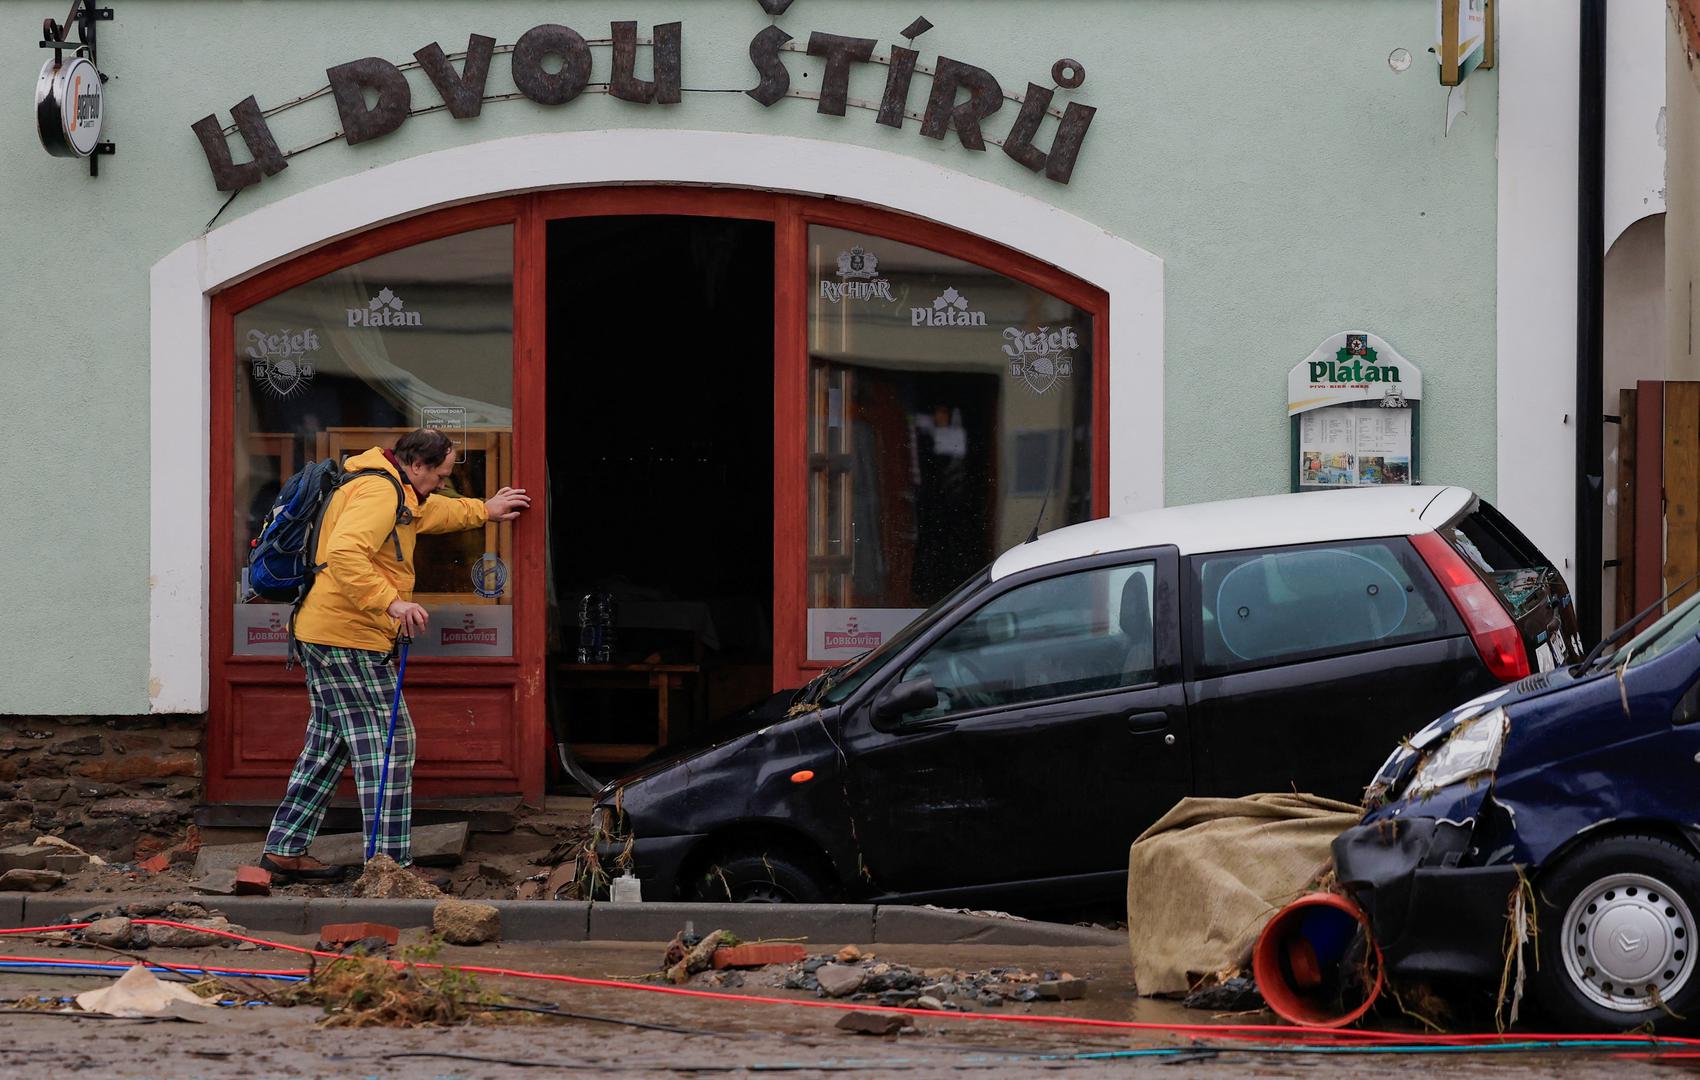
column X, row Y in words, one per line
column 280, row 359
column 1039, row 358
column 552, row 65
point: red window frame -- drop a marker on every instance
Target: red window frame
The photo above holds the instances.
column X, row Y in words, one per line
column 519, row 680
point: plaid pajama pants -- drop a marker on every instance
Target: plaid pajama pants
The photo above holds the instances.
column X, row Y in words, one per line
column 350, row 691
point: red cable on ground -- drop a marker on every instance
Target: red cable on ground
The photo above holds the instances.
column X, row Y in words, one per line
column 1285, row 1032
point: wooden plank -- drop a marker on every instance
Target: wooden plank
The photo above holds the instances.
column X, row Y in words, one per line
column 530, row 471
column 1682, row 485
column 1649, row 485
column 790, row 445
column 1624, row 579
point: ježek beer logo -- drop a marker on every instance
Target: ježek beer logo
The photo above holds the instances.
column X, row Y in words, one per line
column 858, row 273
column 950, row 308
column 383, row 310
column 280, row 359
column 1353, row 363
column 1040, row 357
column 489, row 576
column 853, row 637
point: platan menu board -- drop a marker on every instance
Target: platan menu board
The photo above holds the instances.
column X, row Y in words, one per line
column 1354, row 405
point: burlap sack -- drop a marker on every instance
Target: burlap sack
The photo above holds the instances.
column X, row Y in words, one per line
column 1202, row 881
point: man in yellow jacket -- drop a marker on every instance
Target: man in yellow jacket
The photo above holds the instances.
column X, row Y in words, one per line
column 360, row 601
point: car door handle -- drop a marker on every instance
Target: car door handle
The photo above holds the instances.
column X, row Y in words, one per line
column 1147, row 723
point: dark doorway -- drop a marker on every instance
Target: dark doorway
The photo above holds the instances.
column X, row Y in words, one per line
column 660, row 402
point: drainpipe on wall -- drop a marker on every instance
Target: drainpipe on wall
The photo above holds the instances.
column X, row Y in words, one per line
column 1590, row 305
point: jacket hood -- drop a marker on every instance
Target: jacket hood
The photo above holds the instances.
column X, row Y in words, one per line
column 373, row 459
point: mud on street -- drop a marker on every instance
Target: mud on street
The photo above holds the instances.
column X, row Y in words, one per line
column 710, row 1036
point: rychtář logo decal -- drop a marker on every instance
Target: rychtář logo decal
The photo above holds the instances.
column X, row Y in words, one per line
column 858, row 279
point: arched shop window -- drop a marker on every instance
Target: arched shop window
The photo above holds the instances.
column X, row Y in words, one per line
column 932, row 399
column 949, row 407
column 356, row 358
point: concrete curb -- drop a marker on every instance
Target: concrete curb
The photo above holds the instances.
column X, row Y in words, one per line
column 562, row 920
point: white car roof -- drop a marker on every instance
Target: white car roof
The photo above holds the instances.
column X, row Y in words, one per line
column 1265, row 521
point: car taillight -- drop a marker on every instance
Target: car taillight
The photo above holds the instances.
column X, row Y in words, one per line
column 1495, row 635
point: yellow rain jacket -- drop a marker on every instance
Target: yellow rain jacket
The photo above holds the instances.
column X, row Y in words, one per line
column 348, row 605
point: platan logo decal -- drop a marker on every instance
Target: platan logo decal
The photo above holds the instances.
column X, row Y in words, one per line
column 280, row 360
column 469, row 632
column 275, row 632
column 950, row 308
column 383, row 310
column 853, row 637
column 1039, row 358
column 489, row 576
column 859, row 279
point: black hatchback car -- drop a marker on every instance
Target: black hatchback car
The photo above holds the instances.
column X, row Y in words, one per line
column 1008, row 744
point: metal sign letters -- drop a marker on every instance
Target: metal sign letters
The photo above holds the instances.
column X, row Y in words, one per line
column 962, row 97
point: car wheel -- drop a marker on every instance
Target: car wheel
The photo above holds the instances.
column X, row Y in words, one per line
column 1616, row 934
column 747, row 876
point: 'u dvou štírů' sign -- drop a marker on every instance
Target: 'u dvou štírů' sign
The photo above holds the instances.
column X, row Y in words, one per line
column 463, row 96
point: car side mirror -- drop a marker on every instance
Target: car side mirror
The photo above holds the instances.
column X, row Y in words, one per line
column 900, row 699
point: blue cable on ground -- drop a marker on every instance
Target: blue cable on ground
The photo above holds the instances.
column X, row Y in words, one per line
column 72, row 965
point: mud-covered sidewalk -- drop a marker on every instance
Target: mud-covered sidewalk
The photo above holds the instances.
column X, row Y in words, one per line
column 648, row 1033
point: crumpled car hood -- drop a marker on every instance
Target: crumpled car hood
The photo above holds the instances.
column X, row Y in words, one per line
column 1397, row 769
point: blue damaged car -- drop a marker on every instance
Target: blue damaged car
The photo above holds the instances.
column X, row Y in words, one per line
column 1582, row 784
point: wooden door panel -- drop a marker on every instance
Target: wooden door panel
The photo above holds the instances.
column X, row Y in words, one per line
column 469, row 740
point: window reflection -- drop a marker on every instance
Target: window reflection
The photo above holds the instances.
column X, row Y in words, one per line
column 948, row 405
column 355, row 359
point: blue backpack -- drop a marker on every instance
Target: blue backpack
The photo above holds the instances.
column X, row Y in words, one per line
column 280, row 559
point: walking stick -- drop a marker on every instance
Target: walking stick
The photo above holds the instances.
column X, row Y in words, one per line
column 402, row 642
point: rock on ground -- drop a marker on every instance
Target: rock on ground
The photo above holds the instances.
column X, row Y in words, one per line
column 114, row 932
column 383, row 879
column 21, row 880
column 837, row 980
column 175, row 937
column 461, row 922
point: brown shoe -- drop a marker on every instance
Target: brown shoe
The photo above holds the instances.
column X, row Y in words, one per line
column 289, row 869
column 439, row 878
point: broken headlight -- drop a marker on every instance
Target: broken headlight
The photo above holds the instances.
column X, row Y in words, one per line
column 1472, row 749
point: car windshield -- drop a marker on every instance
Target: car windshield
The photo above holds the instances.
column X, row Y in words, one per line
column 842, row 682
column 1677, row 626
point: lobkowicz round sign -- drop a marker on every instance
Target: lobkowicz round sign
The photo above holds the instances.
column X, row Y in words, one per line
column 69, row 107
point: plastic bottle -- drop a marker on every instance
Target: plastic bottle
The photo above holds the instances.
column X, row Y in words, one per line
column 627, row 889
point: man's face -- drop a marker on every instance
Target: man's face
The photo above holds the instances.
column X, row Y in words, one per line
column 427, row 479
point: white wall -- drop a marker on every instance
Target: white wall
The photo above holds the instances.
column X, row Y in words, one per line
column 1536, row 336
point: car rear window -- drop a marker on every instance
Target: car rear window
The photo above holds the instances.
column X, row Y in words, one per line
column 1262, row 607
column 1503, row 556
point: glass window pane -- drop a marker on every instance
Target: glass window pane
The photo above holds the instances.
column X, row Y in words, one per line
column 949, row 405
column 1292, row 603
column 357, row 358
column 1066, row 635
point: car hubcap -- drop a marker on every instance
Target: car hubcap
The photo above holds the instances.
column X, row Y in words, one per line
column 763, row 892
column 1628, row 940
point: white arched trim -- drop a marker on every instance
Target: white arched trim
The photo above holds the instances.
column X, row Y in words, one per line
column 181, row 283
